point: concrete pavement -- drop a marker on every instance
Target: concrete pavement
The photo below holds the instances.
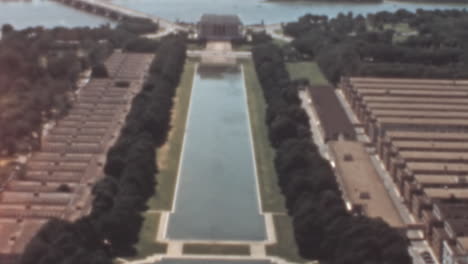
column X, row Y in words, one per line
column 416, row 246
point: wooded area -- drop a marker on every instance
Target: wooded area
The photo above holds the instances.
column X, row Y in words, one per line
column 39, row 70
column 364, row 46
column 323, row 228
column 120, row 197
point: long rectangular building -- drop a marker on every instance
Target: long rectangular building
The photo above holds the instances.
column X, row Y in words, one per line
column 419, row 129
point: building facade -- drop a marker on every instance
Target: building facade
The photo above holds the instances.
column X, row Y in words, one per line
column 419, row 129
column 219, row 27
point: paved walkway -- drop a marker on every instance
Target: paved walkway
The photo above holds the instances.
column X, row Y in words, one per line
column 257, row 249
column 315, row 127
column 416, row 246
column 219, row 52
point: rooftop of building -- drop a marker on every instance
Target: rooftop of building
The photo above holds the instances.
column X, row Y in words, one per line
column 435, row 167
column 408, row 81
column 419, row 136
column 408, row 86
column 462, row 243
column 436, row 179
column 447, row 193
column 435, row 145
column 361, row 183
column 434, row 155
column 422, row 107
column 422, row 121
column 416, row 93
column 452, row 209
column 220, row 19
column 419, row 114
column 458, row 225
column 21, row 233
column 415, row 100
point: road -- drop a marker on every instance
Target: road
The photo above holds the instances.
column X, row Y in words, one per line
column 167, row 26
column 416, row 246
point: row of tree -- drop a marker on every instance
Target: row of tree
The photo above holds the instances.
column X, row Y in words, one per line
column 433, row 46
column 323, row 228
column 113, row 226
column 36, row 83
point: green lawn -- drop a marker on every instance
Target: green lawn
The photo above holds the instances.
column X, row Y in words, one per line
column 286, row 247
column 307, row 69
column 216, row 249
column 146, row 244
column 272, row 199
column 168, row 160
column 168, row 163
column 169, row 154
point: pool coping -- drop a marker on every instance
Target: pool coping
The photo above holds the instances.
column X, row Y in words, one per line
column 270, row 234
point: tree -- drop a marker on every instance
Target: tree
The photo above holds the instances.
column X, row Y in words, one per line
column 100, row 71
column 7, row 29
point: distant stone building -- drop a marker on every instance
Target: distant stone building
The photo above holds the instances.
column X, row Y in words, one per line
column 219, row 27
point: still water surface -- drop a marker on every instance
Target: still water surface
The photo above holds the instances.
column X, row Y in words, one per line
column 256, row 11
column 211, row 261
column 49, row 14
column 45, row 13
column 217, row 197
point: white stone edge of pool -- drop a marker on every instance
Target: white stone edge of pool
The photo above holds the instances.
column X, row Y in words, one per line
column 270, row 233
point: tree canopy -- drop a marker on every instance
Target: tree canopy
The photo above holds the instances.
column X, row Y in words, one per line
column 434, row 44
column 323, row 228
column 120, row 197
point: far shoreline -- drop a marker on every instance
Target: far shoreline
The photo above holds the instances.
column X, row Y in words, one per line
column 371, row 1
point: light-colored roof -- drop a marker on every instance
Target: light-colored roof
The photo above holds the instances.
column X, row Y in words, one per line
column 435, row 145
column 407, row 92
column 415, row 100
column 435, row 167
column 444, row 193
column 408, row 81
column 438, row 136
column 436, row 179
column 463, row 242
column 359, row 176
column 422, row 121
column 406, row 106
column 408, row 86
column 418, row 114
column 434, row 155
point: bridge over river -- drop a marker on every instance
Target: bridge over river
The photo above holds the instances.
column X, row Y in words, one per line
column 115, row 12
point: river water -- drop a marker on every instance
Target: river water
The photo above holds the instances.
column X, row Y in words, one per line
column 45, row 13
column 211, row 261
column 49, row 14
column 256, row 11
column 216, row 195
